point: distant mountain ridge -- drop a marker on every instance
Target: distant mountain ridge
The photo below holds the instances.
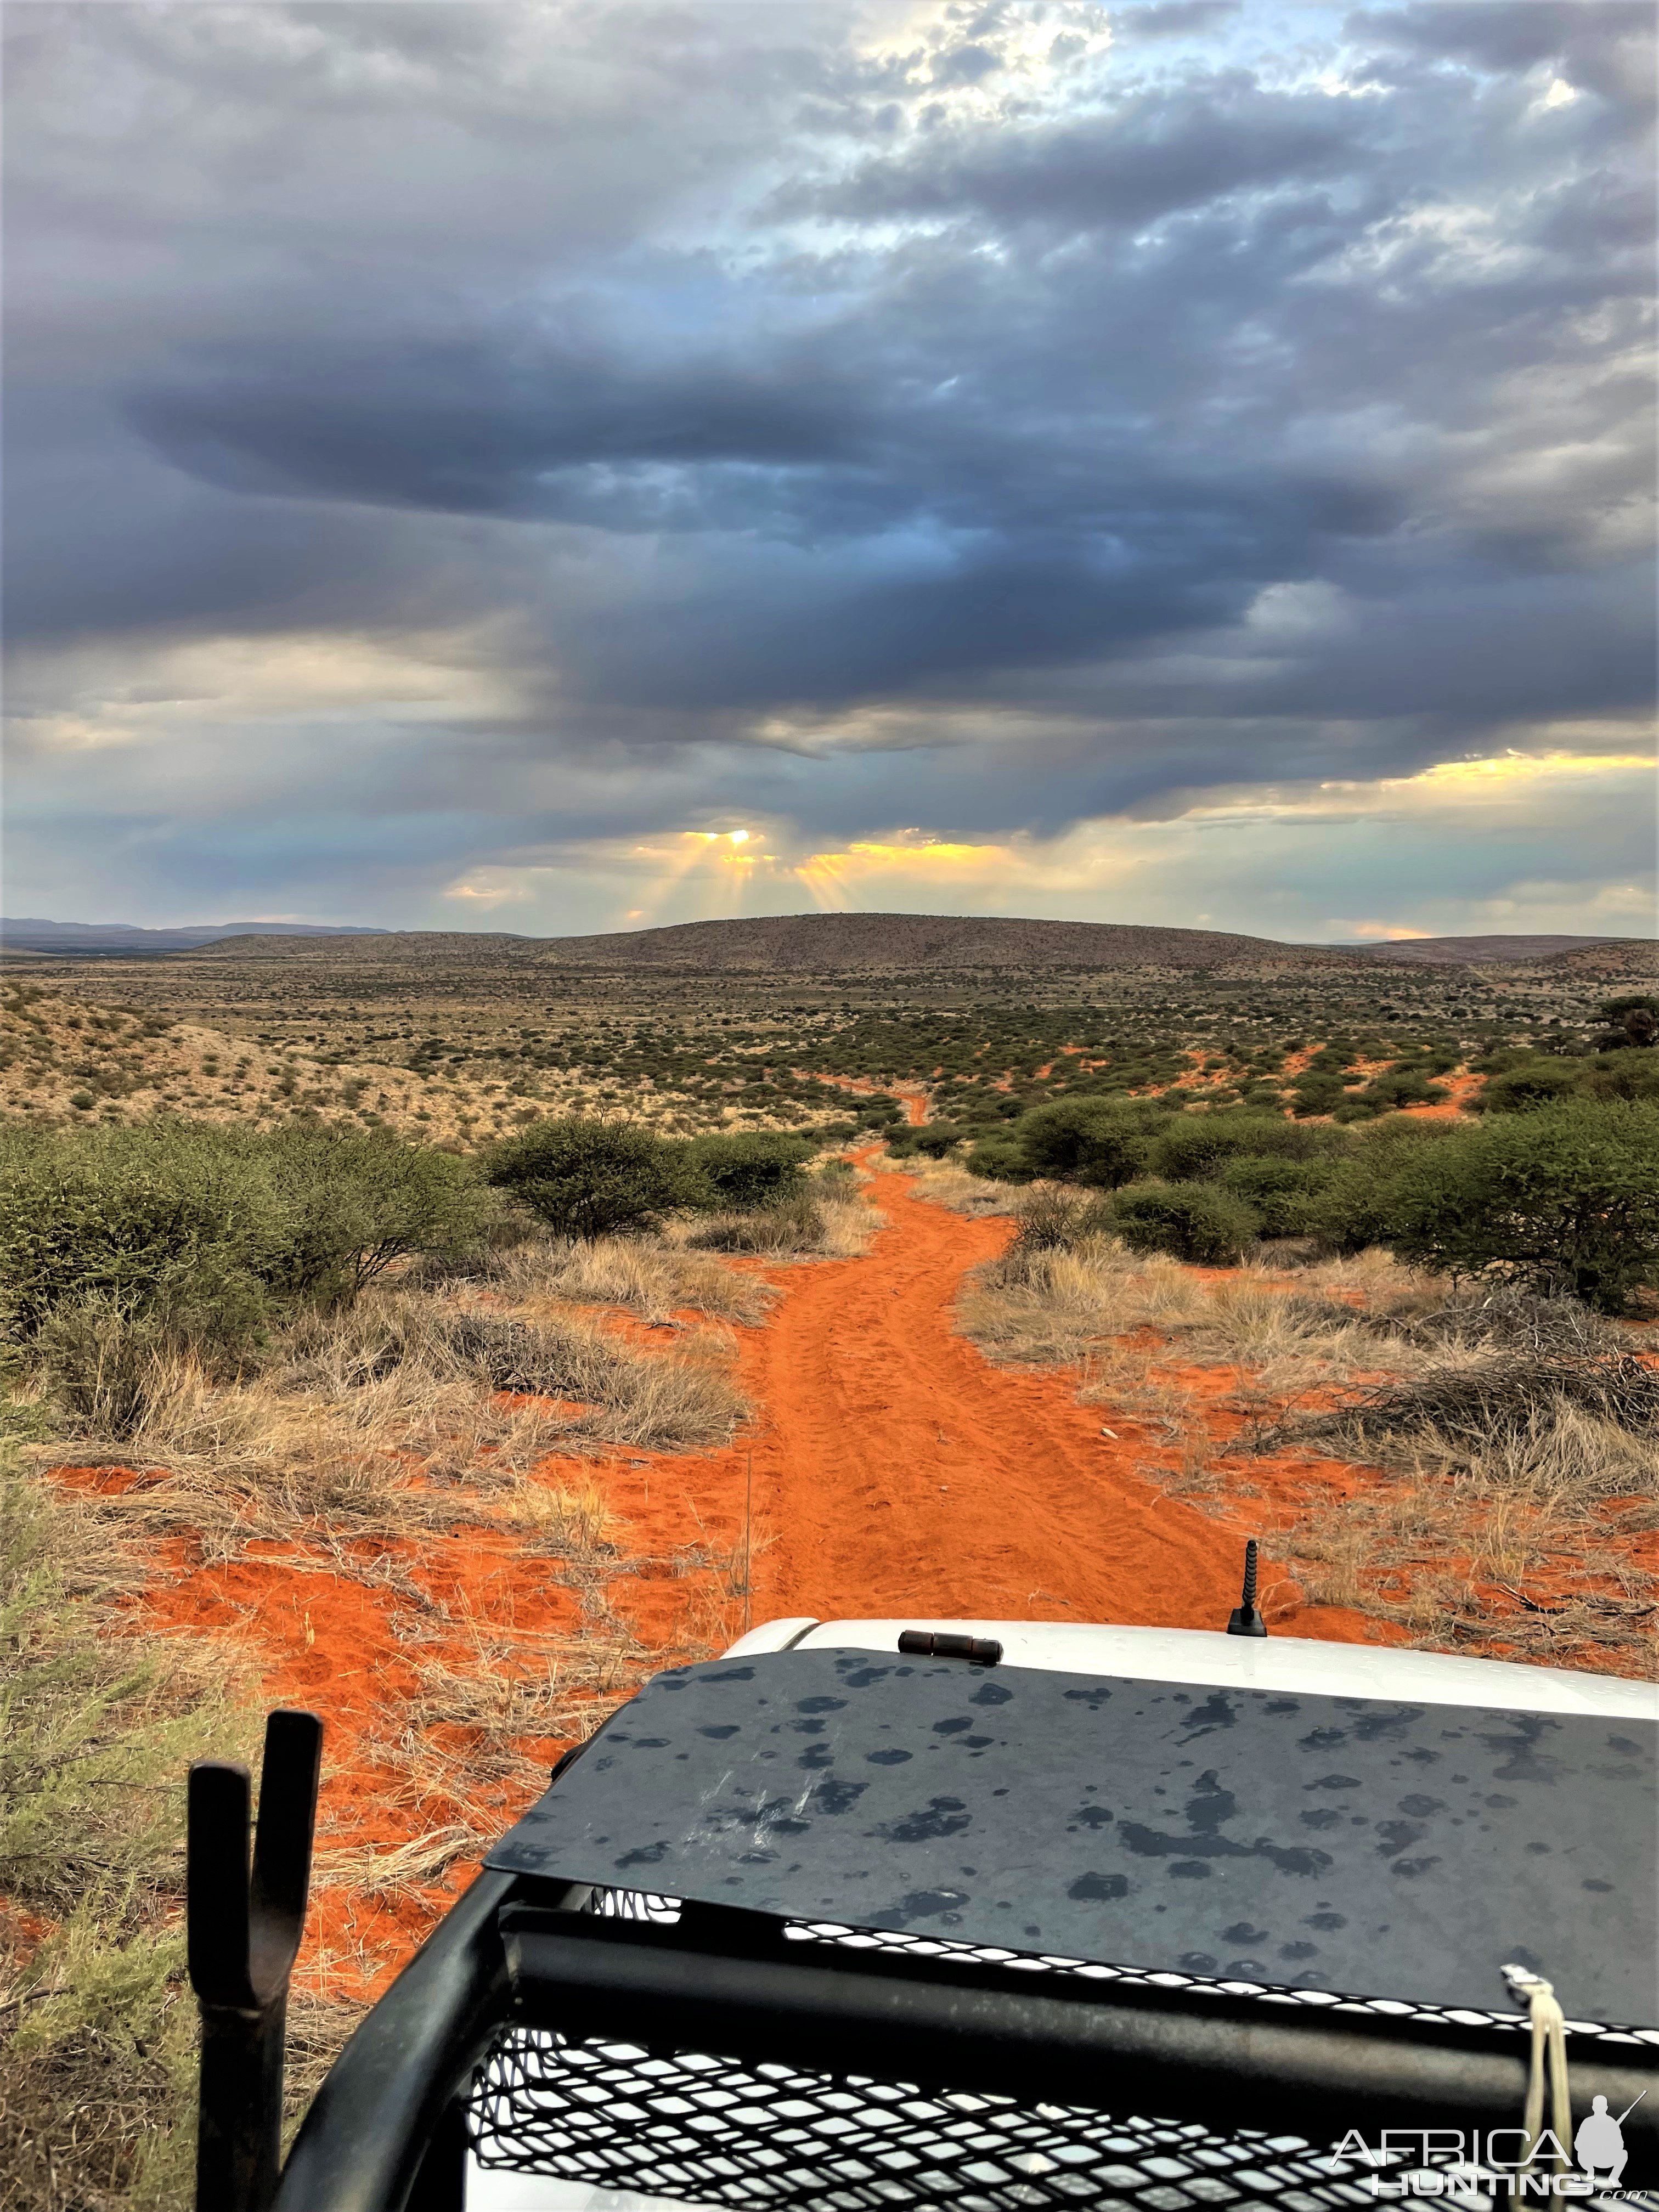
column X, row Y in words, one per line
column 795, row 944
column 1452, row 951
column 32, row 934
column 830, row 944
column 805, row 942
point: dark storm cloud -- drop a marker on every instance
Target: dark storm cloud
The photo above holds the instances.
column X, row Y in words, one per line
column 1151, row 157
column 725, row 373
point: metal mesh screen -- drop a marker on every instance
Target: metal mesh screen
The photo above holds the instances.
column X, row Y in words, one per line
column 648, row 1906
column 710, row 2131
column 704, row 2130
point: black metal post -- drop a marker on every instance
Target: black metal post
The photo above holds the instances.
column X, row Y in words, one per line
column 244, row 1934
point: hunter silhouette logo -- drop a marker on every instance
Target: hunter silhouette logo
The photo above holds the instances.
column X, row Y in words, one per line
column 1601, row 2142
column 1479, row 2167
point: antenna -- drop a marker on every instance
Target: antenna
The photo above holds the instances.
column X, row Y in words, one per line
column 1244, row 1619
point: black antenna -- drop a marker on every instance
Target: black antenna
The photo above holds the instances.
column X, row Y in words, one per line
column 1244, row 1619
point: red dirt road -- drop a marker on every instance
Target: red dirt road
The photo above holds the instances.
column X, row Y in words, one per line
column 897, row 1471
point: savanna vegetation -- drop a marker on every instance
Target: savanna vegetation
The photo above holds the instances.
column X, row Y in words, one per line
column 1562, row 1195
column 355, row 1349
column 347, row 1274
column 1473, row 1461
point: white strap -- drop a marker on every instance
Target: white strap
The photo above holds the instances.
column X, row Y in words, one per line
column 1549, row 2039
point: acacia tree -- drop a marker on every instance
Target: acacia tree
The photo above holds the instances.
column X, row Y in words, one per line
column 587, row 1177
column 1564, row 1199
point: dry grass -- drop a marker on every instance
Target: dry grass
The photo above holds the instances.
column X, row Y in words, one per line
column 1519, row 1544
column 1484, row 1370
column 96, row 2028
column 1513, row 1439
column 811, row 1228
column 1522, row 1459
column 650, row 1276
column 409, row 1414
column 1046, row 1307
column 954, row 1188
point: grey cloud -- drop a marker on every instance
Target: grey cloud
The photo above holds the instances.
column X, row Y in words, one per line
column 721, row 371
column 1150, row 157
column 1595, row 35
column 1173, row 18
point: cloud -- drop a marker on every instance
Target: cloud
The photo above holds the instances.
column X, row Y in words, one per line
column 1173, row 18
column 442, row 436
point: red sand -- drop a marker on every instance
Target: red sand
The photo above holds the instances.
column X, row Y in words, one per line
column 898, row 1472
column 893, row 1470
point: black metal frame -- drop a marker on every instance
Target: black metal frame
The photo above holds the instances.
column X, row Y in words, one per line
column 243, row 1936
column 388, row 2131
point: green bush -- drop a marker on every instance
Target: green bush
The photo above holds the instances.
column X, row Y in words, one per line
column 173, row 1220
column 999, row 1159
column 935, row 1138
column 1198, row 1222
column 1356, row 1207
column 1632, row 1073
column 1401, row 1086
column 588, row 1178
column 1316, row 1091
column 752, row 1168
column 1563, row 1199
column 1194, row 1146
column 354, row 1201
column 1283, row 1194
column 1097, row 1141
column 200, row 1233
column 1535, row 1083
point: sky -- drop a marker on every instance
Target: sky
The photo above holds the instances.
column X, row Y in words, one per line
column 580, row 465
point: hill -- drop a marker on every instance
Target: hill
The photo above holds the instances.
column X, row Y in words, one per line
column 836, row 942
column 949, row 949
column 1473, row 951
column 823, row 944
column 32, row 934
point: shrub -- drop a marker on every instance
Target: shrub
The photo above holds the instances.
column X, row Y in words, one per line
column 1402, row 1086
column 1054, row 1221
column 1283, row 1194
column 1316, row 1091
column 1193, row 1221
column 1088, row 1140
column 588, row 1178
column 935, row 1138
column 1194, row 1146
column 1632, row 1073
column 200, row 1232
column 1535, row 1083
column 754, row 1168
column 1563, row 1199
column 1356, row 1207
column 354, row 1201
column 998, row 1159
column 171, row 1219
